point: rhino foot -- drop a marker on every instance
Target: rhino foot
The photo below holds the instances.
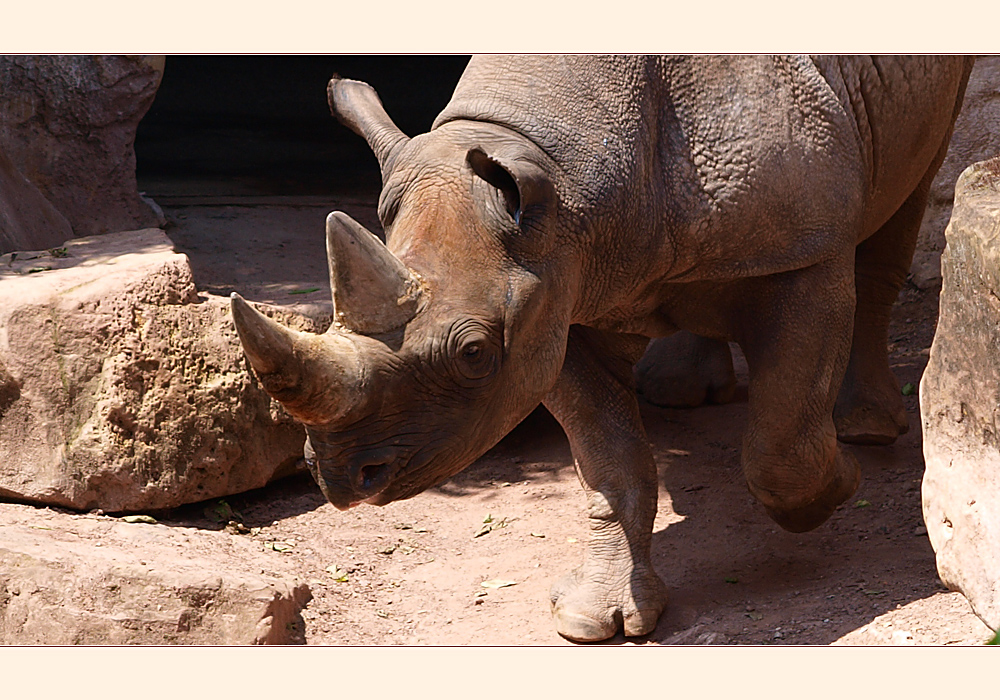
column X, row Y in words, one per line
column 870, row 417
column 591, row 603
column 802, row 518
column 686, row 370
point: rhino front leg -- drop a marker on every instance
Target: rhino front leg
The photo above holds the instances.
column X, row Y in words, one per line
column 685, row 370
column 796, row 336
column 594, row 401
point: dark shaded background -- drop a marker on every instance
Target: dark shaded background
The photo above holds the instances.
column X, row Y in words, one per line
column 261, row 124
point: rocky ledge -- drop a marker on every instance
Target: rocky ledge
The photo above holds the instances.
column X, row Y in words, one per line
column 122, row 388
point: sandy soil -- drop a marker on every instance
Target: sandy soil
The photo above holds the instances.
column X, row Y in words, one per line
column 413, row 572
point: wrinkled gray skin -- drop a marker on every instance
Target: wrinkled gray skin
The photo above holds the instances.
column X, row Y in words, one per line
column 564, row 210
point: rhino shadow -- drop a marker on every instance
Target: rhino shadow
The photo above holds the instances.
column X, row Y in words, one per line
column 527, row 453
column 735, row 577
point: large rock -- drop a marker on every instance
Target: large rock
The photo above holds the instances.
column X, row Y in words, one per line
column 960, row 399
column 96, row 580
column 68, row 124
column 123, row 389
column 27, row 220
column 976, row 138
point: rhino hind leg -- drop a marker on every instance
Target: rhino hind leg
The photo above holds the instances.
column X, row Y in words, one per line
column 869, row 409
column 685, row 370
column 797, row 349
column 616, row 587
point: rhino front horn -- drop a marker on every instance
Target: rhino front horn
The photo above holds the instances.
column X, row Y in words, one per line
column 317, row 378
column 373, row 291
column 270, row 348
column 267, row 344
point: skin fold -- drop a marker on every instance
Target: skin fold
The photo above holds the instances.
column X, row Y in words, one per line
column 564, row 210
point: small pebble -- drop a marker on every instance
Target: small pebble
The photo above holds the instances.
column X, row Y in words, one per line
column 903, row 638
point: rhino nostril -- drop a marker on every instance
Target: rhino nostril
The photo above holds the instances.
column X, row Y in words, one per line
column 374, row 476
column 370, row 471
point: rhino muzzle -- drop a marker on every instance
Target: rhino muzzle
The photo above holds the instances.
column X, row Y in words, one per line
column 350, row 479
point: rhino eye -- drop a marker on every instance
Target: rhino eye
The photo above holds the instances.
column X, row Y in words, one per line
column 474, row 352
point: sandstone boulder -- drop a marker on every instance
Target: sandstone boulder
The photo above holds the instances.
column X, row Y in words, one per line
column 68, row 579
column 976, row 138
column 123, row 389
column 27, row 220
column 68, row 124
column 960, row 399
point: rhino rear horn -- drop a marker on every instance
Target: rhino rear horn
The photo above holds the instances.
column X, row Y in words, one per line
column 373, row 291
column 357, row 106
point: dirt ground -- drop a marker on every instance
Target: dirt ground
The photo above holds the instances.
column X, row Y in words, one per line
column 416, row 572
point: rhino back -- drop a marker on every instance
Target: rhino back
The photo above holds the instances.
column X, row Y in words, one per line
column 593, row 115
column 717, row 167
column 680, row 152
column 902, row 109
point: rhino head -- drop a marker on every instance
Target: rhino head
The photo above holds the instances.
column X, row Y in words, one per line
column 445, row 337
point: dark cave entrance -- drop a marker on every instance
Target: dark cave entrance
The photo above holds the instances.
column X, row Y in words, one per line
column 259, row 126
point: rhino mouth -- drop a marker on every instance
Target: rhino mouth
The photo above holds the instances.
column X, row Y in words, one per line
column 344, row 498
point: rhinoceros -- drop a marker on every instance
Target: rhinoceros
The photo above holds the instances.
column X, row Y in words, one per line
column 564, row 210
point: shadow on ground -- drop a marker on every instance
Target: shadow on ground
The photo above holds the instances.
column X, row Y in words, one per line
column 763, row 584
column 538, row 435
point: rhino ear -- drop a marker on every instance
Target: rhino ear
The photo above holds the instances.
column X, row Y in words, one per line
column 356, row 105
column 525, row 188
